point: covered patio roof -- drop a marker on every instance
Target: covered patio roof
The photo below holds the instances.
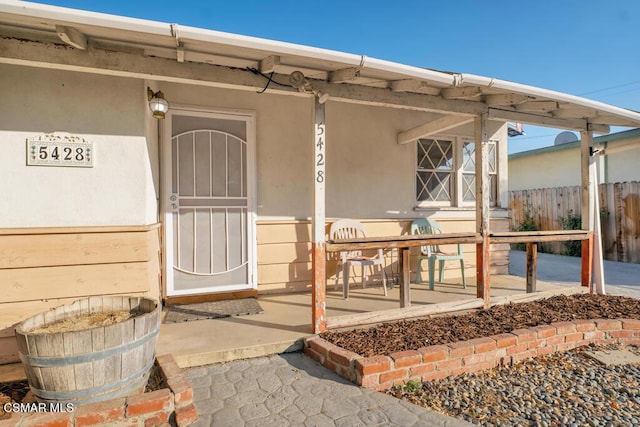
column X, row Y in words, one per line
column 342, row 76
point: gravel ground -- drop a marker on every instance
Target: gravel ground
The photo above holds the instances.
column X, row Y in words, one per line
column 562, row 389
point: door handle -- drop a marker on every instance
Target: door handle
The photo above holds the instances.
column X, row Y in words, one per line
column 175, row 206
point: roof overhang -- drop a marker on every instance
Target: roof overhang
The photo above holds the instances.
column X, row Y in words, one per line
column 88, row 41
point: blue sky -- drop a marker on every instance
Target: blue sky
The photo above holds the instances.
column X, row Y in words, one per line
column 589, row 48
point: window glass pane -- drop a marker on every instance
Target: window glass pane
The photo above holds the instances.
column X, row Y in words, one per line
column 492, row 157
column 493, row 189
column 433, row 186
column 468, row 188
column 469, row 157
column 435, row 154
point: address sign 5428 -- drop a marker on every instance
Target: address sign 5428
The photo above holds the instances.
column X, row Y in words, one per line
column 59, row 149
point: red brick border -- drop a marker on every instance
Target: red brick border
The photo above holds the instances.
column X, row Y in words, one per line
column 440, row 361
column 149, row 409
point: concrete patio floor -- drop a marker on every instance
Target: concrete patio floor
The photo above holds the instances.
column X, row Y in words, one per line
column 287, row 319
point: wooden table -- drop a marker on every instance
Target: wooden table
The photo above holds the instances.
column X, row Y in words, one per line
column 403, row 244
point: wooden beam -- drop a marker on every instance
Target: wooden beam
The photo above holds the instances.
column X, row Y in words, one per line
column 269, row 64
column 605, row 119
column 403, row 241
column 180, row 52
column 538, row 106
column 402, row 313
column 540, row 119
column 319, row 258
column 344, row 75
column 505, row 99
column 595, row 128
column 122, row 64
column 373, row 317
column 412, row 85
column 461, row 92
column 72, row 36
column 566, row 112
column 538, row 236
column 439, row 125
column 483, row 263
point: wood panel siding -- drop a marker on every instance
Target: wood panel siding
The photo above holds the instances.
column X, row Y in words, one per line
column 41, row 250
column 42, row 268
column 284, row 252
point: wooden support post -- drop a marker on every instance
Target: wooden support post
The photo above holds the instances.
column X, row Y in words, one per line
column 586, row 144
column 587, row 262
column 319, row 259
column 532, row 266
column 482, row 208
column 586, row 205
column 405, row 280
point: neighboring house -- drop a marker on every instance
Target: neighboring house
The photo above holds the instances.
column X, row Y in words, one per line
column 216, row 200
column 544, row 186
column 559, row 165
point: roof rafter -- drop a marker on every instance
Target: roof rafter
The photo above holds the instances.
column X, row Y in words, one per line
column 344, row 75
column 538, row 106
column 505, row 99
column 72, row 36
column 546, row 120
column 412, row 85
column 269, row 64
column 461, row 92
column 433, row 127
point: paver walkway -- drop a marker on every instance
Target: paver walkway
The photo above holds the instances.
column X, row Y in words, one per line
column 292, row 390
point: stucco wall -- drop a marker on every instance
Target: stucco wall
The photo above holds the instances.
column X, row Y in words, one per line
column 368, row 174
column 110, row 112
column 622, row 166
column 560, row 166
column 553, row 169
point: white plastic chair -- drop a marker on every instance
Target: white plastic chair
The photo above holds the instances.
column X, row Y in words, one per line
column 433, row 252
column 350, row 229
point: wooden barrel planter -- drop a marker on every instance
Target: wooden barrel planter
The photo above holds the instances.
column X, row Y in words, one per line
column 92, row 364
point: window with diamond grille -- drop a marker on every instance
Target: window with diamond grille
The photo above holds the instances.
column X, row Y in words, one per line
column 469, row 170
column 445, row 173
column 435, row 173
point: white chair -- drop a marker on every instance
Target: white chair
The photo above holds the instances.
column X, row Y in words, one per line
column 350, row 229
column 433, row 253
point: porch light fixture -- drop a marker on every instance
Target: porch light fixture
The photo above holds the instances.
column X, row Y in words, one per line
column 300, row 82
column 157, row 104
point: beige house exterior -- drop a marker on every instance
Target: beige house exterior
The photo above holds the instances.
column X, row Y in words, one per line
column 232, row 162
column 559, row 165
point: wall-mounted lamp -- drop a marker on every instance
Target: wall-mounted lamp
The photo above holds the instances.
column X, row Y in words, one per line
column 299, row 81
column 157, row 104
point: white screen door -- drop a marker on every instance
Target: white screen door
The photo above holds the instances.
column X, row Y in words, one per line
column 209, row 223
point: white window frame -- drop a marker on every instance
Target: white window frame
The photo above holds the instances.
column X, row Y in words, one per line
column 457, row 174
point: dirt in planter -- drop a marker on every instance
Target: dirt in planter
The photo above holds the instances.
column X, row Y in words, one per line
column 85, row 321
column 404, row 335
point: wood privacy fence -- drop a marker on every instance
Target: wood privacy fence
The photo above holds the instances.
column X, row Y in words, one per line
column 619, row 215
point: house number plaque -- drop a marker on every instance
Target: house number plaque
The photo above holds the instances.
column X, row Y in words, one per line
column 59, row 149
